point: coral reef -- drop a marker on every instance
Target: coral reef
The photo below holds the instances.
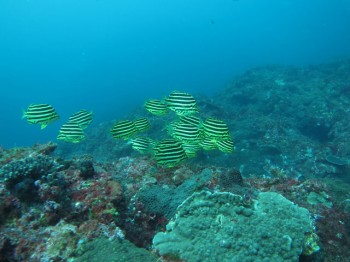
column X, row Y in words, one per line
column 102, row 249
column 219, row 227
column 20, row 176
column 165, row 200
column 294, row 117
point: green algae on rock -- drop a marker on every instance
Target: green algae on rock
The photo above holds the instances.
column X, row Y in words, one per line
column 319, row 198
column 220, row 227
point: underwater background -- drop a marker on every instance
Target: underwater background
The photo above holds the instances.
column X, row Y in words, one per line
column 111, row 56
column 175, row 130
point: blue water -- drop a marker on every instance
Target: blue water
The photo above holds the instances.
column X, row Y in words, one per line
column 109, row 56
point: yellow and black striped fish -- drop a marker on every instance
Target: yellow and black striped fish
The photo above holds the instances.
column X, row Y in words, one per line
column 191, row 149
column 71, row 132
column 142, row 144
column 184, row 131
column 181, row 103
column 142, row 124
column 226, row 145
column 191, row 119
column 215, row 128
column 208, row 143
column 169, row 153
column 42, row 114
column 156, row 107
column 123, row 129
column 83, row 118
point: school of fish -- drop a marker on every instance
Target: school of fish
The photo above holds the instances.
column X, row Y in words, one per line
column 187, row 133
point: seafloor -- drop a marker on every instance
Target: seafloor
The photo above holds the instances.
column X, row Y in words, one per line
column 101, row 201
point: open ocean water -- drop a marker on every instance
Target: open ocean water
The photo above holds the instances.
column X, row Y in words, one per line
column 110, row 56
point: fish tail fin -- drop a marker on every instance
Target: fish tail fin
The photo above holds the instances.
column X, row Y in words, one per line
column 24, row 114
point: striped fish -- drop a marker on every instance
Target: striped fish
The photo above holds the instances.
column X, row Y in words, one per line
column 208, row 143
column 142, row 124
column 142, row 144
column 123, row 129
column 192, row 120
column 191, row 149
column 169, row 153
column 226, row 145
column 83, row 118
column 71, row 132
column 184, row 131
column 156, row 107
column 170, row 127
column 181, row 103
column 215, row 128
column 42, row 114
